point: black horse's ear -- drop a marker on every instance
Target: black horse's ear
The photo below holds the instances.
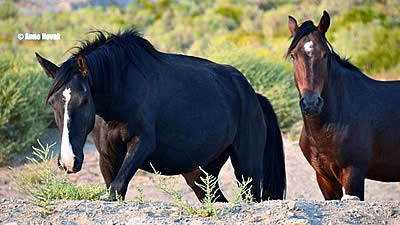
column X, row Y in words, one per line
column 324, row 22
column 82, row 65
column 292, row 24
column 49, row 68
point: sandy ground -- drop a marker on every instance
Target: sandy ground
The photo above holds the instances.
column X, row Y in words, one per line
column 269, row 212
column 301, row 181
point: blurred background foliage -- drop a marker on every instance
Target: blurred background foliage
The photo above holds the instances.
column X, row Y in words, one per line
column 251, row 35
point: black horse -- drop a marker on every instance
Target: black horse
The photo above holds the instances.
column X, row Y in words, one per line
column 177, row 112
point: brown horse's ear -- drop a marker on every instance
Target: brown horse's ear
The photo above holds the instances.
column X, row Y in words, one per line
column 324, row 23
column 82, row 65
column 49, row 68
column 292, row 24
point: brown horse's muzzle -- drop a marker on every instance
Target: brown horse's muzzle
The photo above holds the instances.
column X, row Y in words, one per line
column 311, row 103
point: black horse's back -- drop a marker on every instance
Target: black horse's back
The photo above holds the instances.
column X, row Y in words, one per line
column 274, row 183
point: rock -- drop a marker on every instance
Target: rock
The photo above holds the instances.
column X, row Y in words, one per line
column 291, row 205
column 296, row 221
column 137, row 220
column 290, row 214
column 195, row 222
column 255, row 219
column 110, row 222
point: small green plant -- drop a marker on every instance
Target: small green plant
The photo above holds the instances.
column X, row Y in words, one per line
column 140, row 195
column 171, row 191
column 209, row 186
column 243, row 193
column 47, row 186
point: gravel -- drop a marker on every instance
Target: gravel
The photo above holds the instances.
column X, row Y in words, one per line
column 270, row 212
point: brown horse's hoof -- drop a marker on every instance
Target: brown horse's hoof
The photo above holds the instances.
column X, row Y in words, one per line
column 350, row 198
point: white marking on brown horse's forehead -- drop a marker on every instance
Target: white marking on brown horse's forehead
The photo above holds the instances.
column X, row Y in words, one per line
column 308, row 48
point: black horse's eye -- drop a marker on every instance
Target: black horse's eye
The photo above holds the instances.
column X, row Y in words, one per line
column 292, row 57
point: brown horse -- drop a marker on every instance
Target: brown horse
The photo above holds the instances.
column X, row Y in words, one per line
column 351, row 122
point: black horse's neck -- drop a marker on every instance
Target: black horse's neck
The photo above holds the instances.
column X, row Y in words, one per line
column 117, row 66
column 113, row 99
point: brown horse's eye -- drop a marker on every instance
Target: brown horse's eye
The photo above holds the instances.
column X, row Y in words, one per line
column 292, row 57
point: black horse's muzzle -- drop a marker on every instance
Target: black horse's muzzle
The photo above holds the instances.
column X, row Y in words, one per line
column 74, row 168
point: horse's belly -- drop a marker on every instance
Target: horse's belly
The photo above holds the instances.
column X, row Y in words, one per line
column 385, row 168
column 384, row 173
column 172, row 161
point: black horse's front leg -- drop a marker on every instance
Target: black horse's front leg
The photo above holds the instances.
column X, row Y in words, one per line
column 137, row 151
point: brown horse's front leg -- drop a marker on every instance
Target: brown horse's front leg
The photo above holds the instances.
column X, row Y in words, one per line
column 109, row 167
column 330, row 187
column 353, row 182
column 137, row 152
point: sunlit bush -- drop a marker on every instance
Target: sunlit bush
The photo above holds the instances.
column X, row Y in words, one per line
column 23, row 114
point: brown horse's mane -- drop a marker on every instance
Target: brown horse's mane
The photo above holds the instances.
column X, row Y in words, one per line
column 308, row 27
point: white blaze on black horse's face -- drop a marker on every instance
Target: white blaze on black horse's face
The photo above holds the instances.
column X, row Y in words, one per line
column 66, row 153
column 73, row 107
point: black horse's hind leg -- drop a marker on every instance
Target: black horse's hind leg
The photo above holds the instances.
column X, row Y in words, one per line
column 330, row 187
column 247, row 165
column 212, row 168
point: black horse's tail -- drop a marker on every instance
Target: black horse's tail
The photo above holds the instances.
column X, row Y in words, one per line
column 274, row 179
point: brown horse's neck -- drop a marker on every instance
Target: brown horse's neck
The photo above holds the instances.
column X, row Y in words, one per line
column 338, row 102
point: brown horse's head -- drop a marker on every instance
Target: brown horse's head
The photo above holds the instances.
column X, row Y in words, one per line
column 309, row 52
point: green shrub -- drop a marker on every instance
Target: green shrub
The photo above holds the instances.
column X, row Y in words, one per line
column 47, row 186
column 23, row 114
column 7, row 9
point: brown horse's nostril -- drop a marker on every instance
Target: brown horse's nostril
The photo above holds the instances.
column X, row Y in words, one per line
column 319, row 102
column 302, row 104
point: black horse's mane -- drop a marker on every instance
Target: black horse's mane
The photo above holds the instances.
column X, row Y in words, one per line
column 105, row 55
column 306, row 28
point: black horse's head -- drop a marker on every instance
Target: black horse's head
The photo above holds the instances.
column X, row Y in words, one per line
column 73, row 107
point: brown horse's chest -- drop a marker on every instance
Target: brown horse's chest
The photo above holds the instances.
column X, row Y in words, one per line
column 323, row 150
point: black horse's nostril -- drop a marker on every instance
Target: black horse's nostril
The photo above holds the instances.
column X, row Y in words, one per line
column 77, row 164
